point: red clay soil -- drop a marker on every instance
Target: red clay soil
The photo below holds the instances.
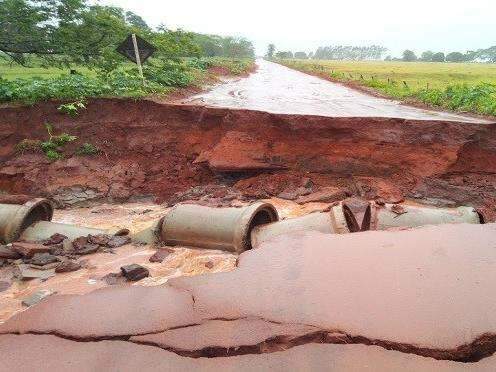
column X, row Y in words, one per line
column 159, row 150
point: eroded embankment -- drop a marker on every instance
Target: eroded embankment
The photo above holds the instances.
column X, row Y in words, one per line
column 162, row 150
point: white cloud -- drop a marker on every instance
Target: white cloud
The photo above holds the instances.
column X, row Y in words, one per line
column 303, row 25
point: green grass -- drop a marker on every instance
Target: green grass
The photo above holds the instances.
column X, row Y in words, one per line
column 34, row 84
column 457, row 86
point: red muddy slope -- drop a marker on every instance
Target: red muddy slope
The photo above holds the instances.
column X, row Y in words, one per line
column 162, row 149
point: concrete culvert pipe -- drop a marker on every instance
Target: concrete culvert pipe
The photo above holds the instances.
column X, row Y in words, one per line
column 383, row 217
column 45, row 229
column 226, row 229
column 15, row 218
column 339, row 220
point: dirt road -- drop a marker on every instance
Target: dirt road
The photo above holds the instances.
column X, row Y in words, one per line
column 278, row 89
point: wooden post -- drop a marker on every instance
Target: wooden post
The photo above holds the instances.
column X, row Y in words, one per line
column 137, row 56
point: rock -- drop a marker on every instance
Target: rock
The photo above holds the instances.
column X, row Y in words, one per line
column 37, row 297
column 88, row 249
column 67, row 246
column 67, row 266
column 27, row 273
column 29, row 249
column 4, row 286
column 41, row 259
column 113, row 278
column 57, row 250
column 117, row 241
column 134, row 272
column 100, row 239
column 209, row 265
column 79, row 243
column 160, row 255
column 9, row 253
column 293, row 194
column 3, row 262
column 55, row 239
column 49, row 266
column 325, row 195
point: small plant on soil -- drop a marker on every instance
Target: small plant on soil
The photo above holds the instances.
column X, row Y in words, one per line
column 87, row 149
column 72, row 108
column 51, row 148
column 28, row 145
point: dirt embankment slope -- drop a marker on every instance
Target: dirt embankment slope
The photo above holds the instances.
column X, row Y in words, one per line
column 162, row 149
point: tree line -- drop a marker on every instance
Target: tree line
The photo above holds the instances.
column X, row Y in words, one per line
column 80, row 32
column 376, row 52
column 482, row 55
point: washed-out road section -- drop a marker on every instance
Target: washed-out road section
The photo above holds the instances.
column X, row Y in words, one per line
column 278, row 89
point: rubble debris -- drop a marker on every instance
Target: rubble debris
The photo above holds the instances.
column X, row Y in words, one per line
column 25, row 272
column 160, row 254
column 37, row 297
column 55, row 239
column 66, row 266
column 7, row 252
column 4, row 285
column 134, row 272
column 118, row 241
column 114, row 278
column 87, row 249
column 209, row 265
column 29, row 249
column 42, row 259
column 325, row 195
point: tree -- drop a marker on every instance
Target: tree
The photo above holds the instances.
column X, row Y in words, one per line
column 438, row 57
column 388, row 58
column 300, row 55
column 270, row 51
column 488, row 54
column 409, row 56
column 135, row 20
column 427, row 56
column 284, row 55
column 348, row 52
column 455, row 57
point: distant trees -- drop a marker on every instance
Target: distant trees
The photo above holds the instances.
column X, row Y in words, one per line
column 409, row 56
column 348, row 52
column 283, row 55
column 219, row 46
column 455, row 57
column 300, row 55
column 271, row 48
column 438, row 57
column 427, row 56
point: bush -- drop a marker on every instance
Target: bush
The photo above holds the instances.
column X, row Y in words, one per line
column 87, row 149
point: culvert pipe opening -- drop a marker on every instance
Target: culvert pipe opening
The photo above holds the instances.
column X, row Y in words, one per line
column 215, row 228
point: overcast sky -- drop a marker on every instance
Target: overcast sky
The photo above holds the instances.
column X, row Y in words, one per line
column 444, row 25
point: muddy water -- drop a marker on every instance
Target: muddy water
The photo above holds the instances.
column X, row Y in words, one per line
column 278, row 89
column 181, row 261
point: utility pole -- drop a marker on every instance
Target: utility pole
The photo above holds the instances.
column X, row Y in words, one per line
column 138, row 60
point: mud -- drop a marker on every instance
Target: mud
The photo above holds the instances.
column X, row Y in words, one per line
column 397, row 303
column 278, row 89
column 163, row 152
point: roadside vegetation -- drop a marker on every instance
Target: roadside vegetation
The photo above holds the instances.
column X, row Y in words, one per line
column 464, row 87
column 66, row 50
column 464, row 82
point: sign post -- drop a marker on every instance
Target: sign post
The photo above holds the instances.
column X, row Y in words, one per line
column 137, row 56
column 137, row 50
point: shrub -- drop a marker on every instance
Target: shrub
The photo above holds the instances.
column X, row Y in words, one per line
column 72, row 109
column 87, row 149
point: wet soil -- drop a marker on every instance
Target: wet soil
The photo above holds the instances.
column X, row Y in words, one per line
column 166, row 152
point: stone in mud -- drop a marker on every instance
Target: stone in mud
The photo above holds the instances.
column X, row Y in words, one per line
column 8, row 252
column 87, row 249
column 55, row 239
column 100, row 239
column 134, row 272
column 117, row 241
column 49, row 266
column 294, row 193
column 29, row 249
column 79, row 243
column 25, row 272
column 67, row 266
column 4, row 285
column 37, row 297
column 209, row 265
column 113, row 278
column 325, row 195
column 3, row 262
column 41, row 259
column 160, row 255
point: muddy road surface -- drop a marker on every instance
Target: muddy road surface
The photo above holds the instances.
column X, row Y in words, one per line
column 278, row 89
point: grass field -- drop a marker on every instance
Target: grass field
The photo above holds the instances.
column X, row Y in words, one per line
column 457, row 86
